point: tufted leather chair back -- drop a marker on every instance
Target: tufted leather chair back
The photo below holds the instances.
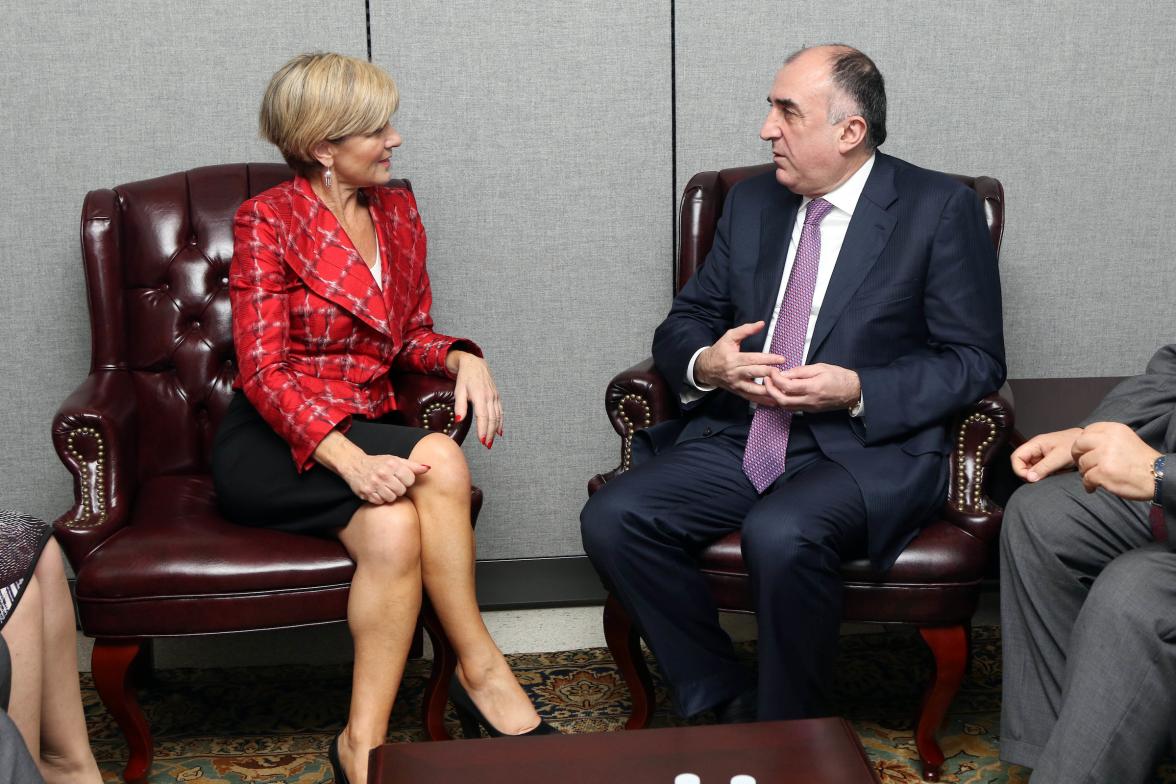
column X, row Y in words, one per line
column 706, row 193
column 156, row 254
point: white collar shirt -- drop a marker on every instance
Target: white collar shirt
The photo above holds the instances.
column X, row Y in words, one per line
column 834, row 226
column 844, row 199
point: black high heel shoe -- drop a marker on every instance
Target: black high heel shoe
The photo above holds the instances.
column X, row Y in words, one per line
column 336, row 765
column 471, row 718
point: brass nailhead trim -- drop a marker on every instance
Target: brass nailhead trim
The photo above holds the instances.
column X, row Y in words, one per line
column 87, row 506
column 961, row 503
column 434, row 407
column 627, row 438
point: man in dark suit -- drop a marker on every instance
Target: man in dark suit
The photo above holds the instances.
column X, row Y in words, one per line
column 884, row 277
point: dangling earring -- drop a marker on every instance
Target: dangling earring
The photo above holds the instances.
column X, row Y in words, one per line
column 328, row 178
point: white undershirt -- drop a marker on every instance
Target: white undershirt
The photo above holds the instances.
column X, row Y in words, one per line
column 376, row 273
column 844, row 199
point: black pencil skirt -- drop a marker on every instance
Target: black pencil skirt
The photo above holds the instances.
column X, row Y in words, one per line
column 257, row 483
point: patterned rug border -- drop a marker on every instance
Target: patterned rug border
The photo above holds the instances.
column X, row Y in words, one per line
column 208, row 732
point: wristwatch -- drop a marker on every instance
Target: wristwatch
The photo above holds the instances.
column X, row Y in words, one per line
column 1158, row 517
column 1158, row 476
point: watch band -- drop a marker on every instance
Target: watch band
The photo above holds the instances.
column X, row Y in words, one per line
column 1159, row 524
column 1158, row 476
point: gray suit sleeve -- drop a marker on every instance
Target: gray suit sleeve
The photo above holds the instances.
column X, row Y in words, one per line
column 1145, row 402
column 1168, row 498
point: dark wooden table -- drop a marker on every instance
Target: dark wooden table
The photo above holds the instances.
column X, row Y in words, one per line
column 813, row 751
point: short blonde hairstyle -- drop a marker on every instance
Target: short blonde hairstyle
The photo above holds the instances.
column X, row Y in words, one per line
column 320, row 97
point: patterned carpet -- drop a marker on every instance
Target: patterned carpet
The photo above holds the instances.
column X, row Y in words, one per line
column 273, row 724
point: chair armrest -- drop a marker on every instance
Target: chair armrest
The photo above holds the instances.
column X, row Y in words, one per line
column 427, row 401
column 980, row 433
column 636, row 398
column 95, row 433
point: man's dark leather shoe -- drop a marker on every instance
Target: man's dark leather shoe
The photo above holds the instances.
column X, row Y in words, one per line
column 740, row 709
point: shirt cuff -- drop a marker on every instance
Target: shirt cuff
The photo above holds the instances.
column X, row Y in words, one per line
column 692, row 390
column 857, row 411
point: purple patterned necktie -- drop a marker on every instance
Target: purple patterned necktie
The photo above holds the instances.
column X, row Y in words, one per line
column 767, row 442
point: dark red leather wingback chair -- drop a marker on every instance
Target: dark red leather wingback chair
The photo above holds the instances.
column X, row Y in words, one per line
column 934, row 585
column 152, row 554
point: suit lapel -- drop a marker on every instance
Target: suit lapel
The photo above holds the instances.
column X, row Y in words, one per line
column 869, row 230
column 776, row 223
column 331, row 267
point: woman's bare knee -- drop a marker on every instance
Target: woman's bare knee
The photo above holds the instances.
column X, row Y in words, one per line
column 26, row 624
column 386, row 537
column 448, row 469
column 57, row 604
column 50, row 567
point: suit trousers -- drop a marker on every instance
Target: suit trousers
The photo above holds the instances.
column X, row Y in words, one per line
column 1088, row 621
column 644, row 530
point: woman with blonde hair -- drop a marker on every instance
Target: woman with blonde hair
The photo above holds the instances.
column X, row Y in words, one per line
column 329, row 294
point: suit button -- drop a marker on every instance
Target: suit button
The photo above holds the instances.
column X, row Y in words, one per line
column 706, row 432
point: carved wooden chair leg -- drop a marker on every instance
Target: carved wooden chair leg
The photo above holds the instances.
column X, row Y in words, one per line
column 968, row 642
column 111, row 663
column 142, row 671
column 949, row 644
column 625, row 646
column 437, row 689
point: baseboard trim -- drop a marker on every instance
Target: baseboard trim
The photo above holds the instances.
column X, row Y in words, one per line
column 518, row 583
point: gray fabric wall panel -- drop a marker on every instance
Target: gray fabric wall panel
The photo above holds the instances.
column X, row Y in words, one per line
column 538, row 138
column 538, row 141
column 95, row 96
column 1062, row 101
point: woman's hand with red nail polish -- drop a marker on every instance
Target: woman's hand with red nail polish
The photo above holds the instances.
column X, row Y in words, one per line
column 475, row 388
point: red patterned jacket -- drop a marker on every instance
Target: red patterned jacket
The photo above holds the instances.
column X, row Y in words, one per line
column 315, row 337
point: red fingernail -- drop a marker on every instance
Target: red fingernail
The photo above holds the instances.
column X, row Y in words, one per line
column 457, row 417
column 426, row 466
